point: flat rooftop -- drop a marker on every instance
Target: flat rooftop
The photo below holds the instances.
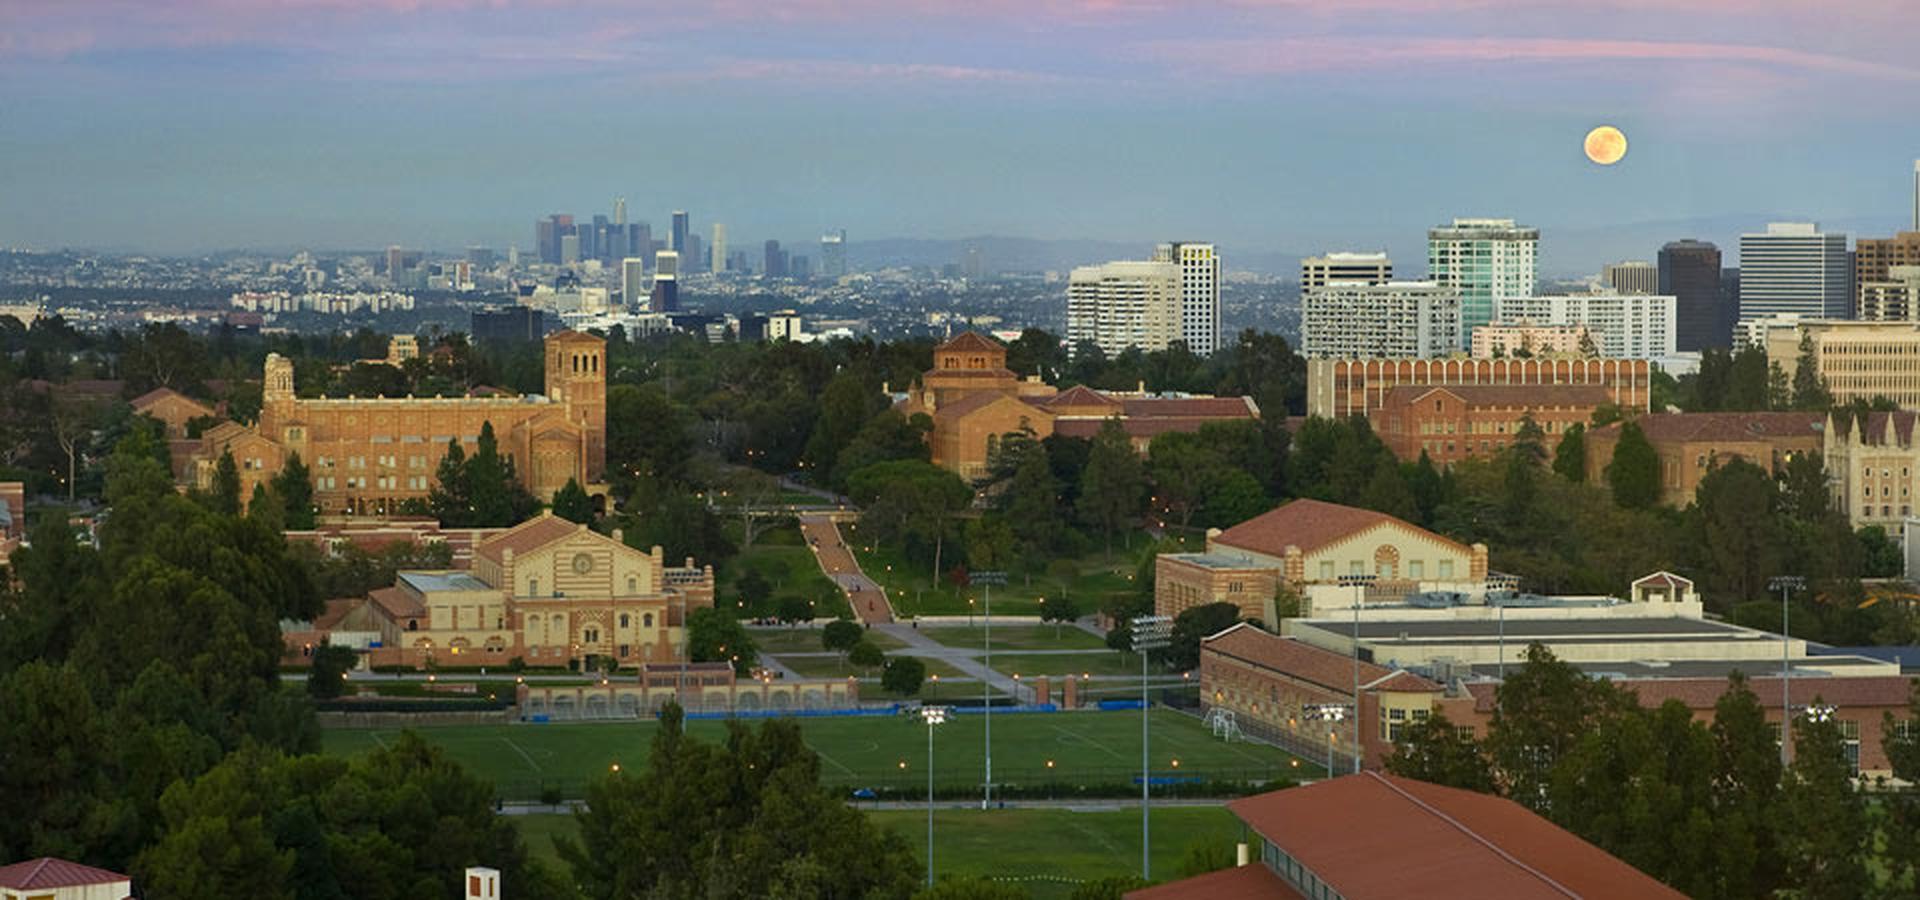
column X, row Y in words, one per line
column 1517, row 629
column 1213, row 560
column 435, row 582
column 1805, row 667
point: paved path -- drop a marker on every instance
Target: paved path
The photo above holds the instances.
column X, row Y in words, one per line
column 868, row 600
column 962, row 658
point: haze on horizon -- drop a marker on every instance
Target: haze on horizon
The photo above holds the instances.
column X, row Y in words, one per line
column 1281, row 125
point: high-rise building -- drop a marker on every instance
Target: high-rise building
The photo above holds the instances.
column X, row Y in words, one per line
column 775, row 264
column 1631, row 277
column 666, row 282
column 1199, row 292
column 692, row 259
column 569, row 249
column 1874, row 259
column 1124, row 304
column 833, row 254
column 1794, row 267
column 973, row 264
column 1367, row 268
column 633, row 281
column 620, row 211
column 546, row 236
column 508, row 324
column 677, row 237
column 1894, row 298
column 1352, row 319
column 1916, row 195
column 1485, row 260
column 1623, row 326
column 799, row 268
column 1689, row 272
column 480, row 258
column 718, row 251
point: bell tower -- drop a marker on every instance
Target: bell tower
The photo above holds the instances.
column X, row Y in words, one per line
column 577, row 379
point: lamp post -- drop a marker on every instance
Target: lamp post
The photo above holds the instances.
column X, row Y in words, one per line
column 1505, row 584
column 987, row 580
column 1360, row 581
column 1149, row 633
column 1786, row 585
column 1331, row 713
column 932, row 715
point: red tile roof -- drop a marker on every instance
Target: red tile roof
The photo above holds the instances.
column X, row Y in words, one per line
column 1253, row 881
column 1519, row 395
column 972, row 403
column 1310, row 525
column 1297, row 658
column 47, row 872
column 1377, row 836
column 970, row 340
column 1727, row 426
column 1191, row 407
column 1081, row 395
column 527, row 536
column 397, row 603
column 156, row 395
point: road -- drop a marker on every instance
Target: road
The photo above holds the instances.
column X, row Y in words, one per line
column 868, row 600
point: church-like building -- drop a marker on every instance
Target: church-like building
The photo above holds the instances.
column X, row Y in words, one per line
column 973, row 399
column 368, row 454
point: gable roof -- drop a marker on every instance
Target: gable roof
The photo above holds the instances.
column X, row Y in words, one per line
column 147, row 400
column 1081, row 395
column 528, row 536
column 569, row 336
column 970, row 340
column 1666, row 579
column 1298, row 659
column 1310, row 525
column 973, row 403
column 1375, row 835
column 1723, row 426
column 48, row 872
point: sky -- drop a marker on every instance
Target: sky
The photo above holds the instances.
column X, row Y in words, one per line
column 1276, row 126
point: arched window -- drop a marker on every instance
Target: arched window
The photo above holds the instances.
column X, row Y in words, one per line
column 623, row 620
column 592, row 636
column 633, row 585
column 533, row 587
column 646, row 621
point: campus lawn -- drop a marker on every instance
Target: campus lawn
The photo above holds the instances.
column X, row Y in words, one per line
column 1093, row 662
column 776, row 641
column 836, row 667
column 1096, row 577
column 1046, row 851
column 863, row 751
column 786, row 562
column 1015, row 637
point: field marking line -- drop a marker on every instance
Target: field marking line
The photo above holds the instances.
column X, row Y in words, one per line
column 836, row 763
column 378, row 739
column 1086, row 740
column 523, row 755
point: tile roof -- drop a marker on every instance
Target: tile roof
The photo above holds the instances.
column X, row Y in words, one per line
column 1664, row 579
column 1297, row 658
column 1191, row 407
column 569, row 336
column 970, row 340
column 1725, row 426
column 1310, row 525
column 48, row 872
column 527, row 536
column 1873, row 431
column 158, row 394
column 1372, row 835
column 1253, row 881
column 1535, row 395
column 968, row 405
column 397, row 603
column 1404, row 682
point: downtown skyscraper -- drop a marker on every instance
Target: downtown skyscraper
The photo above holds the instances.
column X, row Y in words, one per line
column 1795, row 268
column 1484, row 261
column 1703, row 314
column 1199, row 292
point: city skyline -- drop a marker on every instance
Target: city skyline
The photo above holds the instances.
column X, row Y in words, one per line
column 442, row 124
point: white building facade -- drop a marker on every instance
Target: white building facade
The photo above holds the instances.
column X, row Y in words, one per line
column 1623, row 326
column 1485, row 261
column 1794, row 267
column 1199, row 292
column 1368, row 268
column 1125, row 304
column 1397, row 319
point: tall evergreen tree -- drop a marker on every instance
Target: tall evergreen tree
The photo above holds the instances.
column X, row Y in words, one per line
column 224, row 497
column 450, row 500
column 1634, row 473
column 572, row 503
column 1113, row 487
column 293, row 486
column 1570, row 456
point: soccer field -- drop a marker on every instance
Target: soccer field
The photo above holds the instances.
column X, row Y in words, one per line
column 1088, row 748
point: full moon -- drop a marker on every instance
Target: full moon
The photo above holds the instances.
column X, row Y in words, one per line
column 1606, row 145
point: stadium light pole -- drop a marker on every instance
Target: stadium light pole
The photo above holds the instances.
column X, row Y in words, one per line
column 933, row 715
column 1507, row 583
column 1149, row 633
column 987, row 580
column 1786, row 585
column 1359, row 581
column 1330, row 713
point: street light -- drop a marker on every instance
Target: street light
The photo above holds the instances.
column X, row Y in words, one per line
column 987, row 580
column 1360, row 581
column 1149, row 633
column 932, row 715
column 1331, row 713
column 1785, row 584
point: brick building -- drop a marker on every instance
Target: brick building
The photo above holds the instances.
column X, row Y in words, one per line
column 1452, row 423
column 1338, row 388
column 1691, row 444
column 367, row 455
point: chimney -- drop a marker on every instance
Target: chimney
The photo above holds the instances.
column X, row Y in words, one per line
column 1240, row 854
column 483, row 883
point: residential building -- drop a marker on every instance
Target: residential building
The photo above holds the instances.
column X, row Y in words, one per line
column 1623, row 326
column 48, row 878
column 633, row 282
column 973, row 399
column 833, row 254
column 1452, row 423
column 368, row 455
column 1199, row 292
column 1338, row 388
column 1371, row 835
column 1794, row 267
column 1894, row 297
column 719, row 249
column 1393, row 319
column 1631, row 277
column 1875, row 258
column 1855, row 360
column 1522, row 339
column 1690, row 445
column 1368, row 268
column 1124, row 304
column 1307, row 547
column 1703, row 313
column 1486, row 261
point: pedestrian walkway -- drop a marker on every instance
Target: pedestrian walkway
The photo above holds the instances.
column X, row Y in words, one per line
column 868, row 600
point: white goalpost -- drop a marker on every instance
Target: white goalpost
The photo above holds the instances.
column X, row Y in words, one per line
column 1223, row 725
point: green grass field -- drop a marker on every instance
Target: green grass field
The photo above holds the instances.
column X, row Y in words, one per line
column 1098, row 576
column 1015, row 637
column 1102, row 662
column 785, row 561
column 835, row 667
column 776, row 641
column 865, row 751
column 1043, row 850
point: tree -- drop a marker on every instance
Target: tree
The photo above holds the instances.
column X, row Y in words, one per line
column 754, row 588
column 912, row 502
column 1434, row 750
column 1031, row 506
column 1824, row 834
column 1112, row 887
column 866, row 654
column 1058, row 609
column 648, row 441
column 1192, row 624
column 1735, row 532
column 293, row 485
column 1809, row 389
column 495, row 496
column 571, row 502
column 841, row 634
column 972, row 888
column 225, row 493
column 903, row 676
column 1634, row 473
column 1570, row 455
column 1544, row 707
column 795, row 609
column 849, row 400
column 1900, row 739
column 745, row 818
column 989, row 542
column 451, row 499
column 326, row 679
column 714, row 635
column 1113, row 487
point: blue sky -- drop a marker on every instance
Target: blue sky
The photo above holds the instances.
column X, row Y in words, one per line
column 1282, row 125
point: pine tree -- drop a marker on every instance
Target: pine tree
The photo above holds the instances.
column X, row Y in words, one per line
column 1113, row 487
column 1634, row 473
column 293, row 487
column 572, row 503
column 225, row 496
column 451, row 500
column 1570, row 457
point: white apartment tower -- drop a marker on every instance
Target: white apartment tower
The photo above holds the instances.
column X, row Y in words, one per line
column 1485, row 260
column 1392, row 319
column 719, row 248
column 1793, row 267
column 1125, row 304
column 633, row 281
column 1199, row 292
column 1367, row 268
column 1623, row 326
